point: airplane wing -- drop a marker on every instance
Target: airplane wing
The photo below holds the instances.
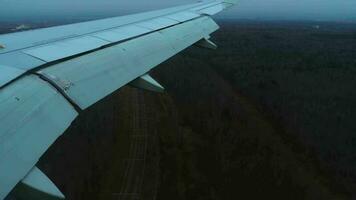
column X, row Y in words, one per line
column 48, row 76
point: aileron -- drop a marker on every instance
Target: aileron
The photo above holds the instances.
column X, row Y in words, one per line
column 25, row 105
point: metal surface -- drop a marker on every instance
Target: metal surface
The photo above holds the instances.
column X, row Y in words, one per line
column 183, row 16
column 187, row 34
column 212, row 10
column 122, row 33
column 33, row 115
column 8, row 73
column 109, row 69
column 205, row 5
column 206, row 43
column 158, row 23
column 65, row 48
column 38, row 184
column 30, row 49
column 146, row 82
column 19, row 60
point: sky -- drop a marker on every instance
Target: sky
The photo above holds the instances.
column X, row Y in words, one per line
column 324, row 10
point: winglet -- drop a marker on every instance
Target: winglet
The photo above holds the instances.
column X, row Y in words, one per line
column 36, row 185
column 146, row 82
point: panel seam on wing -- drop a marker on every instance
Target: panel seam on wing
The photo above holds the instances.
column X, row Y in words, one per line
column 60, row 89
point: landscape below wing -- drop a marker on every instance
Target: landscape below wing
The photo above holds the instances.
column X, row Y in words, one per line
column 47, row 76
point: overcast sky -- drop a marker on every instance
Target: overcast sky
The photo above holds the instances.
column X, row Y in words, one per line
column 334, row 10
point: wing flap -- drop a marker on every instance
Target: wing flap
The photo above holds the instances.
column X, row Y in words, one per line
column 110, row 68
column 25, row 105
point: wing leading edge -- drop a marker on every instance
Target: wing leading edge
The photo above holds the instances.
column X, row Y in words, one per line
column 47, row 76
